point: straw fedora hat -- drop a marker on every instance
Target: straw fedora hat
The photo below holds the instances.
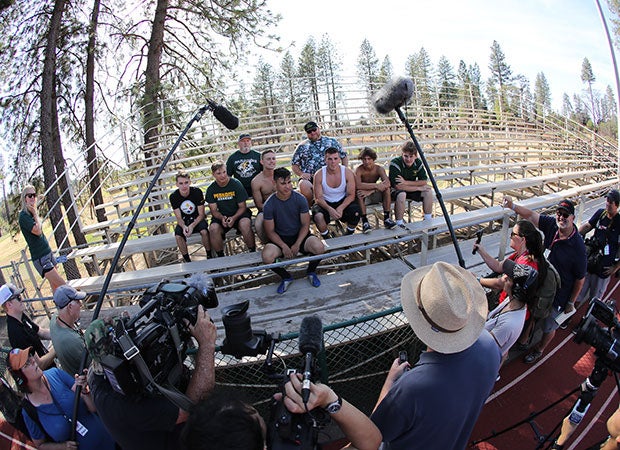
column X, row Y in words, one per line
column 445, row 306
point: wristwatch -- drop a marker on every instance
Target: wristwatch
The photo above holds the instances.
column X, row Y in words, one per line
column 334, row 407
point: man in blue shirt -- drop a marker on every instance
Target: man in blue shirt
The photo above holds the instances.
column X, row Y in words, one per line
column 567, row 253
column 437, row 402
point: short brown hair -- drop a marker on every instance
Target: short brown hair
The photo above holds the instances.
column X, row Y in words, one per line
column 408, row 147
column 217, row 165
column 367, row 151
column 182, row 174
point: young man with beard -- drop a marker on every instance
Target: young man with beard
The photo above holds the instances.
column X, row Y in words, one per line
column 567, row 253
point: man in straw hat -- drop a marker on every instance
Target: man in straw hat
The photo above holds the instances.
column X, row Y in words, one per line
column 437, row 402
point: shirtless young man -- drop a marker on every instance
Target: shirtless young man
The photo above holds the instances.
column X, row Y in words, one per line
column 262, row 188
column 373, row 186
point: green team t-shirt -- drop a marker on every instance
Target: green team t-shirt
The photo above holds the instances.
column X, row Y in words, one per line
column 226, row 198
column 38, row 245
column 414, row 173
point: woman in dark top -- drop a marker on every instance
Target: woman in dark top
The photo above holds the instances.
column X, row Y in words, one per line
column 40, row 251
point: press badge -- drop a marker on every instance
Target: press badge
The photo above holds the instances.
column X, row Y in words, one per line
column 606, row 250
column 81, row 429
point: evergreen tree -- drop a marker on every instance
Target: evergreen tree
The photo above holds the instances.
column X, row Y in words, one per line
column 386, row 73
column 308, row 73
column 542, row 95
column 419, row 68
column 288, row 88
column 329, row 66
column 446, row 83
column 567, row 106
column 368, row 69
column 501, row 78
column 587, row 76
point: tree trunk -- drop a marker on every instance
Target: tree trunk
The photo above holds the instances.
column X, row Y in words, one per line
column 89, row 119
column 50, row 136
column 152, row 84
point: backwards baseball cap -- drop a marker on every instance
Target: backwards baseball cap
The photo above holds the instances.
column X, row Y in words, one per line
column 445, row 305
column 613, row 196
column 522, row 275
column 244, row 136
column 310, row 126
column 567, row 205
column 8, row 292
column 65, row 294
column 17, row 357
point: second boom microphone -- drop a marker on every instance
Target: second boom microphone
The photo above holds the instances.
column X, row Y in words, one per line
column 223, row 115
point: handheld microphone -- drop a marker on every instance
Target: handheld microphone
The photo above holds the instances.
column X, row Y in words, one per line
column 478, row 239
column 310, row 344
column 224, row 116
column 394, row 94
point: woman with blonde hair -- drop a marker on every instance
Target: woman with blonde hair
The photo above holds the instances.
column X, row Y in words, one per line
column 40, row 251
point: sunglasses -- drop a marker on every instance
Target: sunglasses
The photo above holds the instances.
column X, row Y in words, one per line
column 513, row 234
column 31, row 195
column 564, row 214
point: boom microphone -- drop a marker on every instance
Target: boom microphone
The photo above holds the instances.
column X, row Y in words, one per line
column 310, row 343
column 394, row 94
column 226, row 118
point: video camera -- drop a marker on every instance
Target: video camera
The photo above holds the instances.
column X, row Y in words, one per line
column 147, row 352
column 605, row 340
column 285, row 430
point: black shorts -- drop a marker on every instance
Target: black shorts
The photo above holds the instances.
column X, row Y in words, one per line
column 415, row 195
column 247, row 213
column 290, row 240
column 202, row 225
column 350, row 215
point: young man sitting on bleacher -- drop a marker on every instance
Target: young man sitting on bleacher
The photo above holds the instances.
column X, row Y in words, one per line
column 408, row 179
column 287, row 226
column 227, row 202
column 188, row 204
column 373, row 186
column 334, row 191
column 262, row 188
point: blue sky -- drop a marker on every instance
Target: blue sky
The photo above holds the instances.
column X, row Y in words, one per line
column 549, row 36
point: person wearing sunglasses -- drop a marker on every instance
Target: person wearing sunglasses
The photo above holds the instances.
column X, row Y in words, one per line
column 567, row 253
column 40, row 251
column 22, row 331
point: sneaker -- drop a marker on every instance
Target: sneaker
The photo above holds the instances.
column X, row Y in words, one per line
column 348, row 232
column 284, row 284
column 313, row 279
column 532, row 356
column 366, row 228
column 389, row 224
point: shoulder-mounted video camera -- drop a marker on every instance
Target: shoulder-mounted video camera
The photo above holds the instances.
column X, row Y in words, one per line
column 146, row 352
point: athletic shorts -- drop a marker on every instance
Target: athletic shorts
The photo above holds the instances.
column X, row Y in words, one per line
column 415, row 195
column 247, row 213
column 202, row 225
column 45, row 263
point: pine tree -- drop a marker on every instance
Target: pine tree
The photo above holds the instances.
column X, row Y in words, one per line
column 368, row 69
column 587, row 76
column 542, row 95
column 446, row 83
column 501, row 77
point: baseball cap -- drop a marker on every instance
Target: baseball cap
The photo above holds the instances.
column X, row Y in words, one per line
column 244, row 136
column 310, row 126
column 613, row 196
column 18, row 357
column 65, row 294
column 522, row 274
column 8, row 292
column 567, row 205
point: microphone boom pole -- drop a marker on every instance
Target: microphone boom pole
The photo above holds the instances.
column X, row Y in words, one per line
column 434, row 183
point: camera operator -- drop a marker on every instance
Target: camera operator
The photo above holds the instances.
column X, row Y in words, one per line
column 140, row 421
column 227, row 424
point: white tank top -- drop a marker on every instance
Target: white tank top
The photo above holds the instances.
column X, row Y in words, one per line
column 336, row 194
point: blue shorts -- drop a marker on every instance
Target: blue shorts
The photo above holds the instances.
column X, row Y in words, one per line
column 550, row 324
column 45, row 263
